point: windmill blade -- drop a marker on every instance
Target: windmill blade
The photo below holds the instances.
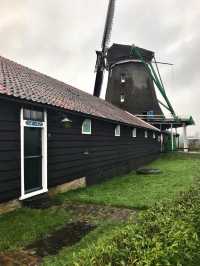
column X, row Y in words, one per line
column 98, row 82
column 99, row 69
column 108, row 25
column 101, row 56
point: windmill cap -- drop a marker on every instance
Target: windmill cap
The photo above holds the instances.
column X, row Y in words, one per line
column 121, row 52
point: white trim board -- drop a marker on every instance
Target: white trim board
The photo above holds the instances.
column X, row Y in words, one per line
column 44, row 158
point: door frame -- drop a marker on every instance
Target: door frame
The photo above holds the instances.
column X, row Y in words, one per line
column 43, row 126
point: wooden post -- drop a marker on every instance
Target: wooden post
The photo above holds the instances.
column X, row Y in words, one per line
column 172, row 138
column 185, row 140
column 161, row 139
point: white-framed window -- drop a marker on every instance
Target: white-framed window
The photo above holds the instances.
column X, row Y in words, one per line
column 159, row 138
column 154, row 135
column 87, row 127
column 117, row 131
column 146, row 134
column 134, row 132
column 122, row 98
column 123, row 78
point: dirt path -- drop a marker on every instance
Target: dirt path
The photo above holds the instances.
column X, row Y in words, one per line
column 85, row 217
column 94, row 212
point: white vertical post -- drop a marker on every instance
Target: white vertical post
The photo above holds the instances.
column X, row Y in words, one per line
column 172, row 138
column 176, row 139
column 161, row 141
column 185, row 140
column 44, row 154
column 22, row 150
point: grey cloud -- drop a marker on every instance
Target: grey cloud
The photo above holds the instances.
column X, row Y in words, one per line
column 60, row 37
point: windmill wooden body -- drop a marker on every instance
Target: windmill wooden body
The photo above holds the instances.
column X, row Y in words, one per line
column 130, row 86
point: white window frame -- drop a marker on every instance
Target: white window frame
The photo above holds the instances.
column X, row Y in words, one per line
column 117, row 131
column 134, row 132
column 23, row 123
column 154, row 135
column 122, row 98
column 146, row 134
column 123, row 78
column 87, row 132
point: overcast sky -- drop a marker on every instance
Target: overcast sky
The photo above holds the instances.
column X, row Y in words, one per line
column 59, row 38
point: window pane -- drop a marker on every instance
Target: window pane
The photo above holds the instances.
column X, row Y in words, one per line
column 27, row 114
column 122, row 98
column 86, row 126
column 134, row 133
column 33, row 115
column 117, row 131
column 123, row 78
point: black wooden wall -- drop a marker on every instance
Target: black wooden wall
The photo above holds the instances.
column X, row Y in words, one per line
column 71, row 155
column 97, row 156
column 9, row 150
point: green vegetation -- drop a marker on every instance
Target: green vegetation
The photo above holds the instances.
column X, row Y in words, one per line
column 23, row 226
column 142, row 191
column 167, row 234
column 67, row 255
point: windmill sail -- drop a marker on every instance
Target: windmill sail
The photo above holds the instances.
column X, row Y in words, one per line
column 108, row 25
column 101, row 55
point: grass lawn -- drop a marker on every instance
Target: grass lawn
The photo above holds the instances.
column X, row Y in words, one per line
column 143, row 191
column 23, row 226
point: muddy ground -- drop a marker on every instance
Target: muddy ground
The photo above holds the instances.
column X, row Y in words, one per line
column 85, row 218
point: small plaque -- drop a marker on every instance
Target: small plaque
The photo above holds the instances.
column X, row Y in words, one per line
column 31, row 123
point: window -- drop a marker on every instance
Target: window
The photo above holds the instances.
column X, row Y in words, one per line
column 146, row 134
column 154, row 135
column 117, row 131
column 122, row 98
column 134, row 133
column 86, row 127
column 33, row 115
column 150, row 114
column 123, row 78
column 159, row 138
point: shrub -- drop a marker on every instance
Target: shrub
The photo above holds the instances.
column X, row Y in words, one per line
column 167, row 234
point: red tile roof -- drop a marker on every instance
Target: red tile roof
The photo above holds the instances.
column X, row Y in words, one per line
column 24, row 83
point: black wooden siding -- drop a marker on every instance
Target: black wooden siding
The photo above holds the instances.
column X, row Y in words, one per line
column 97, row 156
column 9, row 151
column 72, row 155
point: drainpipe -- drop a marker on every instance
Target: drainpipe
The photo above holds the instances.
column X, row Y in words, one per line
column 185, row 140
column 161, row 139
column 172, row 138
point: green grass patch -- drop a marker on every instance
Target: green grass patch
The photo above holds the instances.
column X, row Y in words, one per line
column 143, row 191
column 67, row 255
column 23, row 226
column 166, row 234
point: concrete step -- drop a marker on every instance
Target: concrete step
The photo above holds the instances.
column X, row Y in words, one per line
column 42, row 201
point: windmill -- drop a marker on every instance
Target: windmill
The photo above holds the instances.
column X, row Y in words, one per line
column 122, row 65
column 132, row 79
column 101, row 63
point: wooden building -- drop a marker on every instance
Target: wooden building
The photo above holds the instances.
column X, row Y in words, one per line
column 52, row 133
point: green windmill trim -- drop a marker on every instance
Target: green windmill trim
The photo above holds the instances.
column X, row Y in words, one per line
column 152, row 73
